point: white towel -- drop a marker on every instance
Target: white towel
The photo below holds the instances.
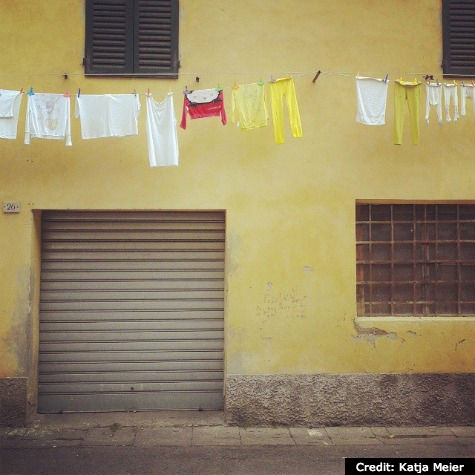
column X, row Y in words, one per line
column 371, row 96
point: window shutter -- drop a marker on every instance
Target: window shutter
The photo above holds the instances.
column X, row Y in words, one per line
column 156, row 37
column 459, row 37
column 109, row 36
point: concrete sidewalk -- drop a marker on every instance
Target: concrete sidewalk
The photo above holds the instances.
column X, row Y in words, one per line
column 187, row 429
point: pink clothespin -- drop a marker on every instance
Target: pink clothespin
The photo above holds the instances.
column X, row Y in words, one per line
column 66, row 94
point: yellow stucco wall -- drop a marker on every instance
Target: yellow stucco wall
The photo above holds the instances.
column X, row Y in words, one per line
column 290, row 251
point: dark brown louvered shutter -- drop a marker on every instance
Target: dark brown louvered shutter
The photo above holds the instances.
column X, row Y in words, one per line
column 459, row 37
column 156, row 37
column 132, row 37
column 109, row 36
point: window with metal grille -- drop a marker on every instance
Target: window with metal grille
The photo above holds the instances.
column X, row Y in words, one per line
column 126, row 37
column 458, row 21
column 415, row 259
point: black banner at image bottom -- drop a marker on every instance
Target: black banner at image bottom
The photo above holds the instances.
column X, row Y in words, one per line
column 401, row 466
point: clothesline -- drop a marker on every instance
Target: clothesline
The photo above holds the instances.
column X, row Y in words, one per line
column 199, row 74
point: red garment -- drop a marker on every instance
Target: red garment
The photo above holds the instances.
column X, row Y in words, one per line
column 203, row 103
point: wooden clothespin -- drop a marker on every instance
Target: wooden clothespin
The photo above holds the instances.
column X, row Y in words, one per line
column 21, row 91
column 316, row 76
column 148, row 92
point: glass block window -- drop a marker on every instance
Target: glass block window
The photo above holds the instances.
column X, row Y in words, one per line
column 415, row 259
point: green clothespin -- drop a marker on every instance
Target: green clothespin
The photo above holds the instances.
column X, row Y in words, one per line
column 260, row 82
column 218, row 87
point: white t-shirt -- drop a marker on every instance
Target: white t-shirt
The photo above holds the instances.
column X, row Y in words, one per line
column 10, row 102
column 162, row 139
column 108, row 115
column 48, row 117
column 371, row 96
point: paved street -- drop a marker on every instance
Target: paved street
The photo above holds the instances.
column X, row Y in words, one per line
column 181, row 442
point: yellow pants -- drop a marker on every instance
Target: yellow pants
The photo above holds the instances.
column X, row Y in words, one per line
column 406, row 91
column 279, row 89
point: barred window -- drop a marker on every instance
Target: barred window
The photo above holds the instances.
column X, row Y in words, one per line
column 415, row 259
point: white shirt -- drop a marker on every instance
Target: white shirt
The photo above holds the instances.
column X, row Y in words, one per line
column 10, row 102
column 48, row 117
column 108, row 115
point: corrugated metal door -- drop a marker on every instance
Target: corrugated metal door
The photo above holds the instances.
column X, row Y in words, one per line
column 131, row 311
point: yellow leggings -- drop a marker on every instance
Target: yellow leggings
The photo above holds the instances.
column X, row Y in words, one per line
column 406, row 91
column 279, row 89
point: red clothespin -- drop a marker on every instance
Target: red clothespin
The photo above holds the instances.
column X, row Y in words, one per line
column 316, row 76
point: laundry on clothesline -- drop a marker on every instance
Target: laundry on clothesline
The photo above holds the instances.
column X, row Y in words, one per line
column 466, row 92
column 162, row 139
column 248, row 104
column 451, row 96
column 280, row 89
column 108, row 115
column 203, row 103
column 434, row 98
column 48, row 117
column 406, row 92
column 371, row 97
column 10, row 102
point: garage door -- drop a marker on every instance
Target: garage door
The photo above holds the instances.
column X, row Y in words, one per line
column 131, row 311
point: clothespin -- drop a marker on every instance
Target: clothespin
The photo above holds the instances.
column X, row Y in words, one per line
column 65, row 76
column 260, row 82
column 79, row 93
column 21, row 91
column 148, row 92
column 66, row 94
column 31, row 92
column 386, row 78
column 218, row 87
column 272, row 78
column 197, row 79
column 316, row 76
column 135, row 93
column 185, row 91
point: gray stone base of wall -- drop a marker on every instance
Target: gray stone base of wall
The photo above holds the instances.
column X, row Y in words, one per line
column 13, row 401
column 350, row 399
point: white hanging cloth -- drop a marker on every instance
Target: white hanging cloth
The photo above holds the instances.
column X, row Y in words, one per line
column 371, row 97
column 162, row 138
column 107, row 115
column 10, row 102
column 48, row 117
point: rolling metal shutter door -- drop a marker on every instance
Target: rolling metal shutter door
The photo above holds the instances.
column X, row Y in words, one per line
column 131, row 311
